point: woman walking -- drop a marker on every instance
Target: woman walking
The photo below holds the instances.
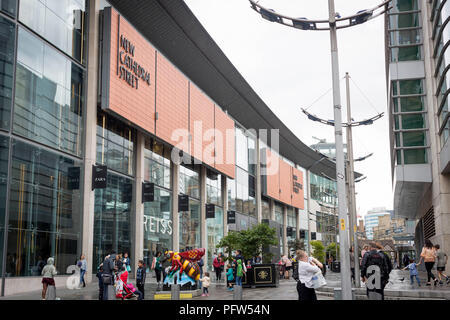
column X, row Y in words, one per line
column 307, row 268
column 217, row 267
column 126, row 262
column 429, row 256
column 83, row 267
column 157, row 266
column 48, row 273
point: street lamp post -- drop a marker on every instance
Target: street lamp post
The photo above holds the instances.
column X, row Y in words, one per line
column 346, row 282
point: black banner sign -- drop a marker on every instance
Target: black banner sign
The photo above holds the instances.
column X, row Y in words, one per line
column 148, row 192
column 99, row 175
column 73, row 178
column 183, row 203
column 231, row 217
column 210, row 211
column 289, row 231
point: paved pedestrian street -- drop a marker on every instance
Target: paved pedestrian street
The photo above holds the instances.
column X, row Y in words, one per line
column 399, row 288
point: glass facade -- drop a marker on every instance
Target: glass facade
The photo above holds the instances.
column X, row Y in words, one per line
column 48, row 100
column 158, row 225
column 213, row 188
column 410, row 121
column 112, row 214
column 265, row 208
column 157, row 163
column 43, row 92
column 60, row 22
column 190, row 226
column 7, row 44
column 214, row 229
column 189, row 180
column 323, row 190
column 115, row 144
column 4, row 154
column 441, row 53
column 242, row 190
column 44, row 210
column 405, row 31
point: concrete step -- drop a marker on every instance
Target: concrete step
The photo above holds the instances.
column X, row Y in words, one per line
column 364, row 297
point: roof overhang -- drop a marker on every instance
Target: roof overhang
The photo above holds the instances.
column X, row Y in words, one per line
column 174, row 30
column 411, row 183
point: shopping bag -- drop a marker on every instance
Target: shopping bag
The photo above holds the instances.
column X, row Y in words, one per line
column 318, row 280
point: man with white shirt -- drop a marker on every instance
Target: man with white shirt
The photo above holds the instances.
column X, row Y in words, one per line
column 307, row 268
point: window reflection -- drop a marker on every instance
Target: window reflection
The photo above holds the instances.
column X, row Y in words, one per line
column 7, row 39
column 49, row 89
column 45, row 210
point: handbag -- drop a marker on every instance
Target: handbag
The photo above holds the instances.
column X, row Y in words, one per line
column 107, row 279
column 318, row 280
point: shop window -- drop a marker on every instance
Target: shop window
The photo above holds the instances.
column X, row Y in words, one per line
column 190, row 226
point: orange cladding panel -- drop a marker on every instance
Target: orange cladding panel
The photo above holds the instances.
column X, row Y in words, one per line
column 298, row 199
column 132, row 74
column 201, row 125
column 285, row 182
column 225, row 143
column 172, row 99
column 272, row 177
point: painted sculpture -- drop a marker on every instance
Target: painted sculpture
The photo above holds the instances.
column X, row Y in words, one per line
column 184, row 266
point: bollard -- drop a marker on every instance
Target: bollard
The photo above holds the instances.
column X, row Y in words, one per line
column 51, row 293
column 237, row 293
column 338, row 294
column 175, row 292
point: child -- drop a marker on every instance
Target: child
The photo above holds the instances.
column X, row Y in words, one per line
column 100, row 282
column 413, row 271
column 205, row 284
column 140, row 277
column 230, row 277
column 442, row 259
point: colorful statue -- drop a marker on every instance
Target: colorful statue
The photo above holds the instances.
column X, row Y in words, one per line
column 184, row 266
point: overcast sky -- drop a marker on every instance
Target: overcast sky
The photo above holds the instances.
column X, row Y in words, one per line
column 290, row 69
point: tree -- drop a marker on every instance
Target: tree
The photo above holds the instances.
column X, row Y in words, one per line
column 318, row 250
column 331, row 250
column 251, row 242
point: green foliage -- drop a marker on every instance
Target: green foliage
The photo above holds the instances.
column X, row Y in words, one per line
column 331, row 249
column 318, row 250
column 251, row 242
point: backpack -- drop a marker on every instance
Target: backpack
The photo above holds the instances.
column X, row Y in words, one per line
column 379, row 259
column 295, row 271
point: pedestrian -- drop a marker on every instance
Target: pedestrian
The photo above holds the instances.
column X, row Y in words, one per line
column 222, row 264
column 363, row 252
column 216, row 266
column 307, row 269
column 413, row 271
column 100, row 281
column 118, row 263
column 157, row 266
column 200, row 265
column 352, row 263
column 239, row 272
column 388, row 258
column 406, row 260
column 48, row 274
column 126, row 262
column 107, row 276
column 288, row 266
column 378, row 258
column 206, row 281
column 428, row 255
column 141, row 275
column 82, row 264
column 230, row 277
column 442, row 259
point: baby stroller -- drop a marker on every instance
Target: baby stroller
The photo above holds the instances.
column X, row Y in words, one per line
column 124, row 290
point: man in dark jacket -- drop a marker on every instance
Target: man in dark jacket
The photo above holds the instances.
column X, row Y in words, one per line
column 141, row 274
column 375, row 257
column 108, row 274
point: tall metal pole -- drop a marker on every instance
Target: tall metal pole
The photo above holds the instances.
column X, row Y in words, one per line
column 351, row 185
column 340, row 166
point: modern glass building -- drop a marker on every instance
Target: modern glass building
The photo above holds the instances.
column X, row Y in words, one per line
column 416, row 66
column 98, row 102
